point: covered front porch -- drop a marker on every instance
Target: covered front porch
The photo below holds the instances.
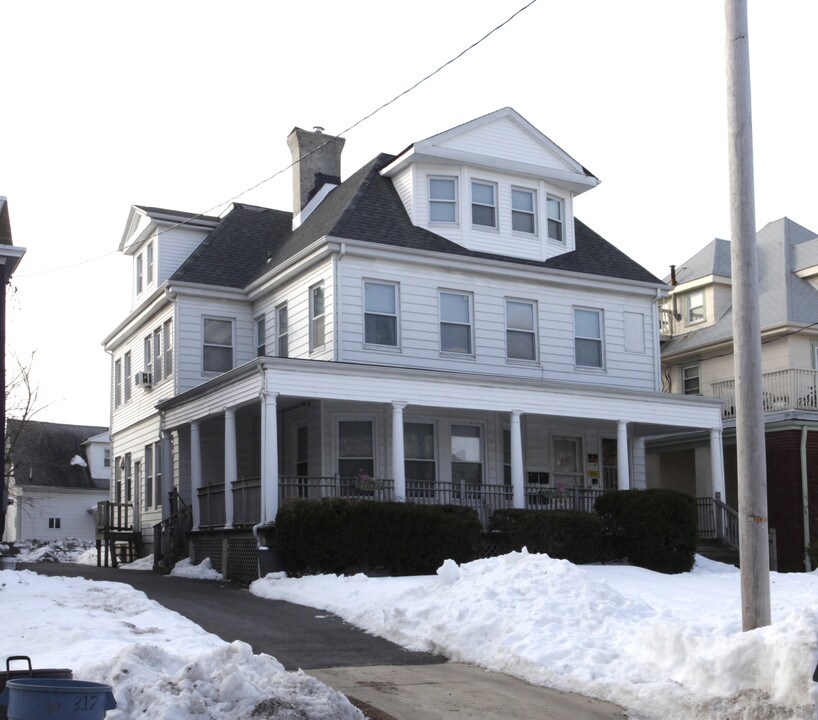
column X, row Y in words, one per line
column 277, row 430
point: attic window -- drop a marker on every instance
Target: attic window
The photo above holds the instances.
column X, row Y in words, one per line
column 484, row 204
column 555, row 219
column 443, row 200
column 695, row 307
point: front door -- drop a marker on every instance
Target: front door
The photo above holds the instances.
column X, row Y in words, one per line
column 609, row 464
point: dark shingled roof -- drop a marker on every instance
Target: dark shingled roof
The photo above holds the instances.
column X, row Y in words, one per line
column 165, row 211
column 367, row 207
column 42, row 453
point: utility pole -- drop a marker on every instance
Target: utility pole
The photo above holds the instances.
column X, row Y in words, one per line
column 754, row 550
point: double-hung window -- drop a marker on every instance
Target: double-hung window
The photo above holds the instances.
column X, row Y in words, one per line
column 695, row 307
column 148, row 356
column 317, row 318
column 118, row 467
column 484, row 204
column 356, row 449
column 217, row 348
column 128, row 478
column 419, row 453
column 127, row 379
column 523, row 211
column 554, row 206
column 157, row 355
column 149, row 263
column 282, row 332
column 521, row 330
column 148, row 494
column 261, row 337
column 588, row 337
column 380, row 314
column 139, row 273
column 455, row 322
column 691, row 381
column 118, row 383
column 442, row 200
column 167, row 344
column 467, row 458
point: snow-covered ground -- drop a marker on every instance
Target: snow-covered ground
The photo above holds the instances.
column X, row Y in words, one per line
column 663, row 646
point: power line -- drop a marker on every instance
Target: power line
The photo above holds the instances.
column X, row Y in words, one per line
column 18, row 276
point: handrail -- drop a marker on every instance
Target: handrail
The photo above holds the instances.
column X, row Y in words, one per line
column 726, row 521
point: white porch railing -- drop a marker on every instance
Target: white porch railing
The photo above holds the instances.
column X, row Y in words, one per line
column 781, row 390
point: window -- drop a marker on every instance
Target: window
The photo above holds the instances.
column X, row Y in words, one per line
column 137, row 477
column 302, row 452
column 217, row 349
column 139, row 273
column 148, row 495
column 107, row 458
column 282, row 330
column 467, row 459
column 455, row 323
column 484, row 204
column 261, row 335
column 691, row 380
column 523, row 204
column 127, row 379
column 443, row 200
column 588, row 338
column 167, row 344
column 568, row 467
column 521, row 331
column 118, row 466
column 54, row 523
column 157, row 472
column 128, row 479
column 118, row 383
column 317, row 328
column 157, row 355
column 380, row 314
column 419, row 453
column 695, row 307
column 506, row 457
column 149, row 263
column 555, row 218
column 148, row 356
column 356, row 454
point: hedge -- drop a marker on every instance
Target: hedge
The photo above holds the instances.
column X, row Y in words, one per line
column 344, row 536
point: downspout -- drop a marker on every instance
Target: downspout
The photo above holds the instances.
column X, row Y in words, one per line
column 805, row 496
column 170, row 296
column 657, row 346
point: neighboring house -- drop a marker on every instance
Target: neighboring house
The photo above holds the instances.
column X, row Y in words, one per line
column 56, row 477
column 10, row 256
column 439, row 327
column 697, row 359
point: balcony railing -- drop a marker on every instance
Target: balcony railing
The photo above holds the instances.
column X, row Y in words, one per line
column 781, row 390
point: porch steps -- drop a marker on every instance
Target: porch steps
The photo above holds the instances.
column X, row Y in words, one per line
column 719, row 551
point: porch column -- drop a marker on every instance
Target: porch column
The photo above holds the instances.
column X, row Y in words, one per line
column 398, row 466
column 195, row 470
column 231, row 466
column 717, row 464
column 517, row 480
column 167, row 472
column 269, row 456
column 623, row 471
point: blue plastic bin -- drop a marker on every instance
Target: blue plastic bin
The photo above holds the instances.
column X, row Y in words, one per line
column 56, row 699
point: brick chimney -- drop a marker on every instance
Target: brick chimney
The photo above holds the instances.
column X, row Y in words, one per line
column 315, row 168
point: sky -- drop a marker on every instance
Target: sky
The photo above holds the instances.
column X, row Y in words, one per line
column 661, row 646
column 186, row 105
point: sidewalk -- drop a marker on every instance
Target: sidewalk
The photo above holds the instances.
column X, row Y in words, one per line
column 385, row 680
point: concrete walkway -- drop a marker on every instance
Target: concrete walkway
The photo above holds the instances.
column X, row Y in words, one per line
column 386, row 681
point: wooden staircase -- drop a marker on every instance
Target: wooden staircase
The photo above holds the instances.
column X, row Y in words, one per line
column 116, row 537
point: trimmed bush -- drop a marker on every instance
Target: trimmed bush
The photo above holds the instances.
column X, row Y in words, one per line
column 564, row 534
column 654, row 529
column 343, row 536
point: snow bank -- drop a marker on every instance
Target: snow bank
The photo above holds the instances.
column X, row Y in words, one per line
column 203, row 571
column 660, row 645
column 66, row 550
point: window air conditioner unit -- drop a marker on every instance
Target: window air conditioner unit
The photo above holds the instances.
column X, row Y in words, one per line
column 143, row 379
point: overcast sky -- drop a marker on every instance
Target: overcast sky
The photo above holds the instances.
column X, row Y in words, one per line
column 185, row 105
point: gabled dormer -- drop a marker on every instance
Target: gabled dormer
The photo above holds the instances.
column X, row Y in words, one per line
column 495, row 184
column 159, row 241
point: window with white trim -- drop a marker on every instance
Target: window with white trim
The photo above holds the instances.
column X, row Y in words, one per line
column 128, row 478
column 691, row 379
column 588, row 337
column 523, row 210
column 695, row 307
column 455, row 322
column 381, row 314
column 167, row 344
column 419, row 453
column 356, row 448
column 483, row 204
column 139, row 273
column 147, row 352
column 317, row 318
column 282, row 332
column 555, row 210
column 118, row 467
column 117, row 383
column 106, row 462
column 466, row 458
column 157, row 472
column 442, row 200
column 127, row 380
column 148, row 494
column 149, row 263
column 217, row 345
column 521, row 330
column 157, row 355
column 53, row 523
column 261, row 336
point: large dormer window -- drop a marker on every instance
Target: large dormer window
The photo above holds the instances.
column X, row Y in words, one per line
column 555, row 218
column 484, row 204
column 139, row 273
column 695, row 307
column 443, row 200
column 523, row 215
column 149, row 263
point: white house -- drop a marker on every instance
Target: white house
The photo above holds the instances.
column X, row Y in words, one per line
column 56, row 476
column 438, row 327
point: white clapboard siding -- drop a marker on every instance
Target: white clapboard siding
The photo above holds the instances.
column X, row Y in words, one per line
column 403, row 183
column 419, row 325
column 35, row 505
column 175, row 246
